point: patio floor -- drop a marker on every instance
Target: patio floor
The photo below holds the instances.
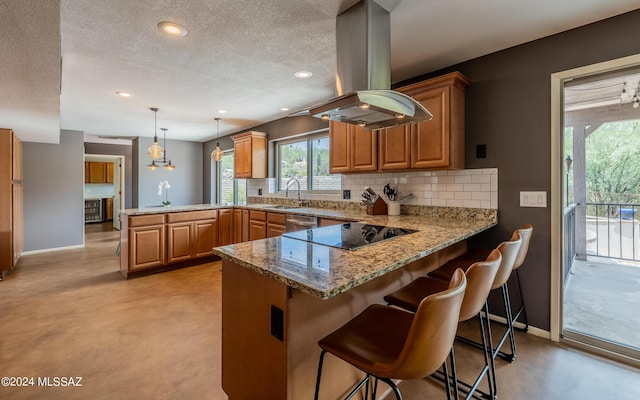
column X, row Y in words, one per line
column 602, row 299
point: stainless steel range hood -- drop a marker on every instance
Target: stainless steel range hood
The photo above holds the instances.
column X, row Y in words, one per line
column 363, row 75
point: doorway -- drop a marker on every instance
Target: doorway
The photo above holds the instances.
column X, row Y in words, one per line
column 597, row 175
column 104, row 190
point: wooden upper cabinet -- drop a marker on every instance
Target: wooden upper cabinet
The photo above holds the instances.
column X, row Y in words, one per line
column 352, row 148
column 250, row 155
column 395, row 148
column 339, row 148
column 109, row 177
column 439, row 142
column 16, row 169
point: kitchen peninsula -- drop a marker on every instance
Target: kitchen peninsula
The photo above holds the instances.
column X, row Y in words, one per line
column 281, row 295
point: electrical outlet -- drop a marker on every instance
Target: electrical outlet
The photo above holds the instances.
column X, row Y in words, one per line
column 259, row 191
column 346, row 194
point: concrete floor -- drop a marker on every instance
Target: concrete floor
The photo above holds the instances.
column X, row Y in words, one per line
column 602, row 299
column 70, row 313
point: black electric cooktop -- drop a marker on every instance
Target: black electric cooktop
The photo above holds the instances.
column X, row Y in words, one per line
column 350, row 235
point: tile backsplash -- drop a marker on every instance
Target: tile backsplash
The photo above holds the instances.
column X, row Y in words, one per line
column 470, row 188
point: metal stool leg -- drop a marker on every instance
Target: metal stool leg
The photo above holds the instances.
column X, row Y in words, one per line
column 523, row 309
column 319, row 374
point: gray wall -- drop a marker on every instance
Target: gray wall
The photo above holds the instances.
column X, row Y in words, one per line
column 117, row 150
column 508, row 108
column 53, row 193
column 185, row 180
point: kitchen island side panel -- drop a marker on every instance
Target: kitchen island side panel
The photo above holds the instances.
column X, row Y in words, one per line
column 258, row 366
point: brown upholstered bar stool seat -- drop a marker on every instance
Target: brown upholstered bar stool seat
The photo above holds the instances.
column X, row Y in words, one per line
column 480, row 254
column 509, row 251
column 388, row 343
column 480, row 278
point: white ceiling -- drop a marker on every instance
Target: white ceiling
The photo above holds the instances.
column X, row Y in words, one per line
column 238, row 55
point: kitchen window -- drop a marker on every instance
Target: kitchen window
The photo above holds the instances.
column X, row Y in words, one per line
column 230, row 190
column 307, row 159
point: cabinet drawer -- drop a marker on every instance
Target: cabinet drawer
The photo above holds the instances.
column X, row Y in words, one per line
column 192, row 215
column 143, row 220
column 276, row 218
column 257, row 215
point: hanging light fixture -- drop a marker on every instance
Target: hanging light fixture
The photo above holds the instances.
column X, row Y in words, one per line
column 155, row 151
column 217, row 153
column 164, row 161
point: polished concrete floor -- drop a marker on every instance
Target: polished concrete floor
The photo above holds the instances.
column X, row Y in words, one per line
column 71, row 314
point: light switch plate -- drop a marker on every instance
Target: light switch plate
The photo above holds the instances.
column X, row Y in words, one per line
column 533, row 199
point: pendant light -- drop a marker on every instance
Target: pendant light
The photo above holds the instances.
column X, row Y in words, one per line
column 155, row 151
column 167, row 163
column 217, row 153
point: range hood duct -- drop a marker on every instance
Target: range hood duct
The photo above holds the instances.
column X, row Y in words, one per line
column 363, row 78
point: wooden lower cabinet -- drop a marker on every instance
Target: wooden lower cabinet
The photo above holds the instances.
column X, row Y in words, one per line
column 245, row 226
column 147, row 247
column 330, row 221
column 155, row 241
column 257, row 225
column 225, row 227
column 237, row 225
column 276, row 224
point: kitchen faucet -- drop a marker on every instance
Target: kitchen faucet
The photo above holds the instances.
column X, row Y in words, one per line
column 289, row 184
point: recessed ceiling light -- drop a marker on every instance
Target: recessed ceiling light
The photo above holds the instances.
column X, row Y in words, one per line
column 172, row 28
column 284, row 109
column 123, row 94
column 303, row 74
column 222, row 111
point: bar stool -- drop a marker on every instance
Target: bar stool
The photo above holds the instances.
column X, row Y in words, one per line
column 480, row 254
column 389, row 343
column 480, row 277
column 509, row 251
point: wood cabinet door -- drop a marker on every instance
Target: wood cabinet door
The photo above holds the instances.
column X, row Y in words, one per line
column 179, row 242
column 329, row 221
column 205, row 237
column 364, row 149
column 430, row 139
column 225, row 227
column 257, row 229
column 17, row 222
column 245, row 225
column 109, row 172
column 237, row 225
column 146, row 247
column 274, row 230
column 339, row 148
column 395, row 148
column 109, row 207
column 97, row 172
column 16, row 170
column 242, row 158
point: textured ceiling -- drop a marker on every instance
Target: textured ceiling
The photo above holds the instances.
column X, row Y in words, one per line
column 238, row 55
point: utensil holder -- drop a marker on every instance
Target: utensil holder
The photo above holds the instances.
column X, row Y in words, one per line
column 394, row 208
column 379, row 207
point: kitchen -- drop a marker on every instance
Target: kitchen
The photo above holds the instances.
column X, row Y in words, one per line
column 493, row 119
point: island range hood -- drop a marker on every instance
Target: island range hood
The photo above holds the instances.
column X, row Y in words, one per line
column 363, row 78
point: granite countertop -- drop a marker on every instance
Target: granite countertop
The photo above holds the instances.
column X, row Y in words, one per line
column 324, row 271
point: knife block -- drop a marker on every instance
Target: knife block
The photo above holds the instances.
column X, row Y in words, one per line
column 379, row 207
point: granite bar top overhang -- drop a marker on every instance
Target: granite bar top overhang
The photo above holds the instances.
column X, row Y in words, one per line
column 324, row 271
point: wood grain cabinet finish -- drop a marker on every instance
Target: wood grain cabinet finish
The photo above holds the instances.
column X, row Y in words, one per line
column 276, row 224
column 352, row 148
column 147, row 247
column 395, row 148
column 98, row 172
column 238, row 226
column 205, row 237
column 245, row 226
column 179, row 242
column 11, row 201
column 257, row 225
column 439, row 142
column 250, row 155
column 330, row 221
column 225, row 227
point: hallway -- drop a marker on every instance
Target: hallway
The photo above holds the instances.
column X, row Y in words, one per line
column 70, row 313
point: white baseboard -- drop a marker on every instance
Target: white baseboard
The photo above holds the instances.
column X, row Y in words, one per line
column 532, row 329
column 27, row 253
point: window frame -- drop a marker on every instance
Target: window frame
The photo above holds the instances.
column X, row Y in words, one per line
column 309, row 138
column 218, row 183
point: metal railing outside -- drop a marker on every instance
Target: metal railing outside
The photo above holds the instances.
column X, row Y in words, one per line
column 613, row 230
